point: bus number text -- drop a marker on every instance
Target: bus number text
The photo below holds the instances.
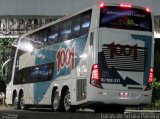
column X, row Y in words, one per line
column 119, row 50
column 110, row 80
column 65, row 58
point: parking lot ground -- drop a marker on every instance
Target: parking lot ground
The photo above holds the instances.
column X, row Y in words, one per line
column 5, row 107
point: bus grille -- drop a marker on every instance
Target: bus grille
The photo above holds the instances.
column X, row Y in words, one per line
column 81, row 89
column 130, row 58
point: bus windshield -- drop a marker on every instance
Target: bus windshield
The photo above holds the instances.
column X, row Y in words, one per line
column 125, row 18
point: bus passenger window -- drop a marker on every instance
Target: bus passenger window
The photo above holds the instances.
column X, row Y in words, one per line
column 45, row 37
column 76, row 26
column 66, row 32
column 35, row 37
column 35, row 74
column 53, row 35
column 85, row 23
column 40, row 39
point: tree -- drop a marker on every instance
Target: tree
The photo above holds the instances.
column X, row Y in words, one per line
column 5, row 51
column 5, row 54
column 2, row 86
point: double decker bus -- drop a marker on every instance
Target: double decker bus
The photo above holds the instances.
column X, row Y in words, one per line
column 99, row 58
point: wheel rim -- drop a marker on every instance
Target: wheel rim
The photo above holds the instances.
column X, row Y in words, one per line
column 67, row 101
column 55, row 101
column 15, row 103
column 22, row 103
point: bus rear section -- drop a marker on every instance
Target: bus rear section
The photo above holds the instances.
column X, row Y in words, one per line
column 123, row 73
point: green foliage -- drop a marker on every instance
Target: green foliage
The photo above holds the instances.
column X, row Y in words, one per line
column 5, row 51
column 157, row 64
column 156, row 84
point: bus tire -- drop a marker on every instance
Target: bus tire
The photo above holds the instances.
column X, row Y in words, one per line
column 22, row 104
column 15, row 102
column 67, row 102
column 56, row 101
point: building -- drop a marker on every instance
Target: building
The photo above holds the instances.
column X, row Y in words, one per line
column 19, row 16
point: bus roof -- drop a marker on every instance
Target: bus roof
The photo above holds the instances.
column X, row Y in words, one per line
column 96, row 6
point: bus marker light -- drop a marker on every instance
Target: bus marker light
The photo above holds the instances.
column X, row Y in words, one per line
column 126, row 94
column 150, row 80
column 95, row 77
column 148, row 10
column 123, row 94
column 125, row 5
column 101, row 5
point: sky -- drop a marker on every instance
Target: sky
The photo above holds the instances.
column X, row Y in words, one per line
column 63, row 7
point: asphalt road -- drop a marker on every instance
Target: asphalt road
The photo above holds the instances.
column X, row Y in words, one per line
column 10, row 113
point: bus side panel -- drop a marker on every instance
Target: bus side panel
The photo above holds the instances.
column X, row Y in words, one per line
column 66, row 58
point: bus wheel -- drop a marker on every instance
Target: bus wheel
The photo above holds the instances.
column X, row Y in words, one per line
column 21, row 103
column 15, row 102
column 56, row 101
column 67, row 102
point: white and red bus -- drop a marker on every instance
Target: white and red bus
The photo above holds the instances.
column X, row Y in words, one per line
column 99, row 58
